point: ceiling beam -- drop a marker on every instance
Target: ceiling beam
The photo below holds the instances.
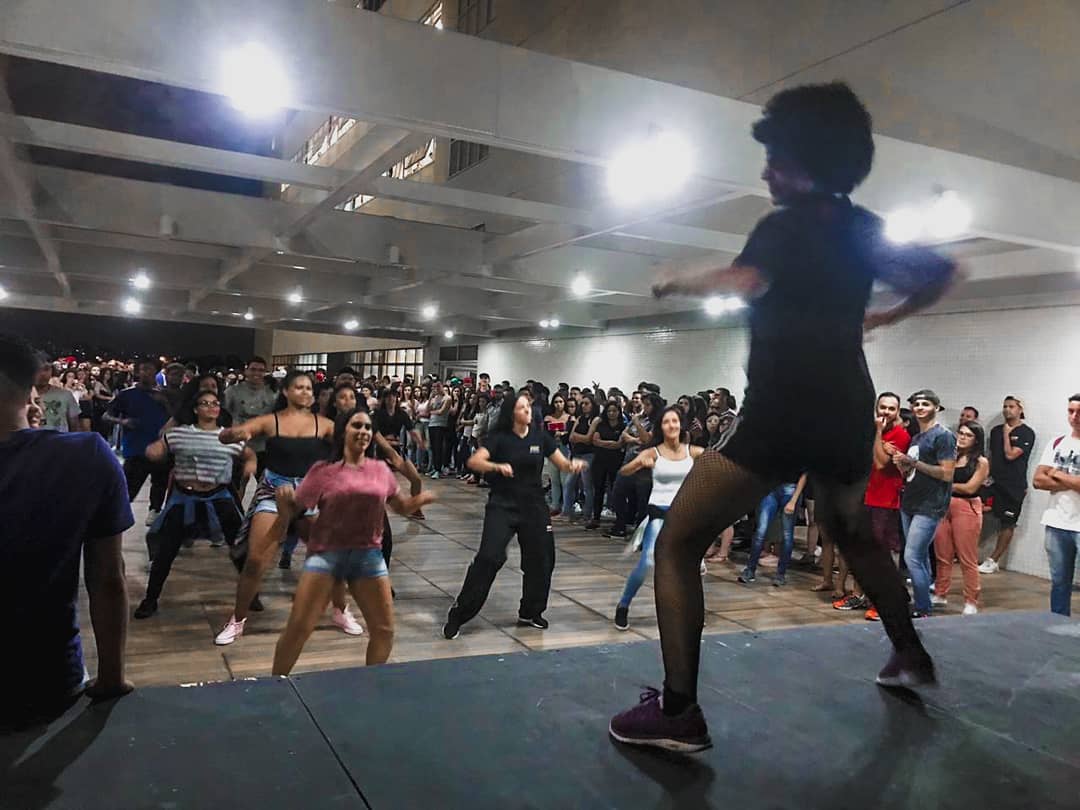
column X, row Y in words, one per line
column 88, row 140
column 378, row 69
column 16, row 174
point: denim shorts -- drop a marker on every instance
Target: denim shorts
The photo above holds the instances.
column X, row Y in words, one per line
column 348, row 564
column 274, row 480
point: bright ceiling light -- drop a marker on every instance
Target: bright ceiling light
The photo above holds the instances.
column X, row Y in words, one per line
column 718, row 305
column 141, row 281
column 296, row 297
column 554, row 323
column 651, row 169
column 132, row 306
column 949, row 216
column 254, row 80
column 904, row 225
column 352, row 324
column 580, row 286
column 449, row 334
column 544, row 324
column 429, row 311
column 3, row 293
column 249, row 315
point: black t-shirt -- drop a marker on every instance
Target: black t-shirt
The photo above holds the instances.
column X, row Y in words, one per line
column 608, row 433
column 526, row 455
column 819, row 256
column 391, row 424
column 1011, row 476
column 581, row 427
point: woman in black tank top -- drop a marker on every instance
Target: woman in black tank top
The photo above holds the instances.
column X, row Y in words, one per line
column 958, row 532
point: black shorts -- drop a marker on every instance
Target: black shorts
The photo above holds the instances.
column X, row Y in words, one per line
column 779, row 451
column 1006, row 507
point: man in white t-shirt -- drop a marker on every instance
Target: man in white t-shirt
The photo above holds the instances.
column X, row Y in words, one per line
column 1059, row 474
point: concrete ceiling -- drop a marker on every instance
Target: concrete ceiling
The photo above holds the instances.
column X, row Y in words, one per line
column 949, row 83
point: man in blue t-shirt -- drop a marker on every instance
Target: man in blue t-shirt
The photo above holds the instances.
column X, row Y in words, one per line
column 928, row 466
column 62, row 498
column 142, row 412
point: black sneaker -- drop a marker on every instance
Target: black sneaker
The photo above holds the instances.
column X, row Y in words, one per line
column 591, row 525
column 909, row 669
column 452, row 628
column 615, row 533
column 539, row 622
column 146, row 609
column 622, row 619
column 746, row 577
column 285, row 563
column 851, row 602
column 256, row 605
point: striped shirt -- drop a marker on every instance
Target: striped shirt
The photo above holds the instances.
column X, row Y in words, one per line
column 199, row 457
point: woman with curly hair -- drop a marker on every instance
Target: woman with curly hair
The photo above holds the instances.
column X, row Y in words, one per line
column 806, row 271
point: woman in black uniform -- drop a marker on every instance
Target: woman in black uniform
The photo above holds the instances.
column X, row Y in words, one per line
column 512, row 459
column 807, row 270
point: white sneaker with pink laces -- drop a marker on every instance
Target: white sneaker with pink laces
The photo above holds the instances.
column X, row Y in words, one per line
column 233, row 630
column 345, row 620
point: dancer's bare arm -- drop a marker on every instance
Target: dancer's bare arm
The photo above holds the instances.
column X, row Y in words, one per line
column 701, row 277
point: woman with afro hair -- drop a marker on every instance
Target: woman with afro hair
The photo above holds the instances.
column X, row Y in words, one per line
column 806, row 270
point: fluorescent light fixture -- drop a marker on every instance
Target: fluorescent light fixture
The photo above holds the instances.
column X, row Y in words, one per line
column 554, row 323
column 904, row 225
column 132, row 306
column 580, row 286
column 352, row 324
column 449, row 334
column 429, row 311
column 718, row 305
column 544, row 324
column 948, row 216
column 650, row 169
column 249, row 315
column 141, row 281
column 296, row 296
column 3, row 293
column 254, row 81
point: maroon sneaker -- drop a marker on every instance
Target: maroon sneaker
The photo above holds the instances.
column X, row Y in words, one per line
column 909, row 669
column 646, row 724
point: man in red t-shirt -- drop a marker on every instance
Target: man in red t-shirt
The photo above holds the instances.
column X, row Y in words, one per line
column 883, row 490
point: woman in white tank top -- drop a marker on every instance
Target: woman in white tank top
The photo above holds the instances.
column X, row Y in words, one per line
column 670, row 461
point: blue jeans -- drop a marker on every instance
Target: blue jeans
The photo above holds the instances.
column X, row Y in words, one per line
column 645, row 562
column 919, row 532
column 570, row 489
column 557, row 478
column 774, row 502
column 1062, row 547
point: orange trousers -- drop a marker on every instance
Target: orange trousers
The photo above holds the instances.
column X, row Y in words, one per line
column 958, row 536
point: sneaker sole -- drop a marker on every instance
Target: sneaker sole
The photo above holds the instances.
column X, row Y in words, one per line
column 665, row 743
column 622, row 628
column 220, row 643
column 451, row 638
column 358, row 632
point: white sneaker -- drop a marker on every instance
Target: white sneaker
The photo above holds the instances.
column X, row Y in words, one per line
column 151, row 516
column 970, row 609
column 233, row 630
column 346, row 621
column 938, row 601
column 988, row 566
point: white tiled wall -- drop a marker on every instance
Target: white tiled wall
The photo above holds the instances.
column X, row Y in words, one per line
column 969, row 359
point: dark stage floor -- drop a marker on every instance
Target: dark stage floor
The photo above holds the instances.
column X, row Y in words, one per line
column 795, row 719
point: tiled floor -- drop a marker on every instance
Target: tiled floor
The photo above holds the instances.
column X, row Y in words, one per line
column 430, row 559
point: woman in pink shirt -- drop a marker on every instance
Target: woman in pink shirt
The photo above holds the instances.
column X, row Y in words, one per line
column 345, row 541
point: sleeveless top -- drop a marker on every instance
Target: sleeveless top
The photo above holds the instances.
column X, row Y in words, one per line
column 292, row 456
column 667, row 477
column 961, row 475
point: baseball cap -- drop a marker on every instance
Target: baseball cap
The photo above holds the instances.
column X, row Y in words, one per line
column 927, row 394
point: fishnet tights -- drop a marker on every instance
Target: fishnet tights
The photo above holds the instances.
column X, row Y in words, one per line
column 714, row 495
